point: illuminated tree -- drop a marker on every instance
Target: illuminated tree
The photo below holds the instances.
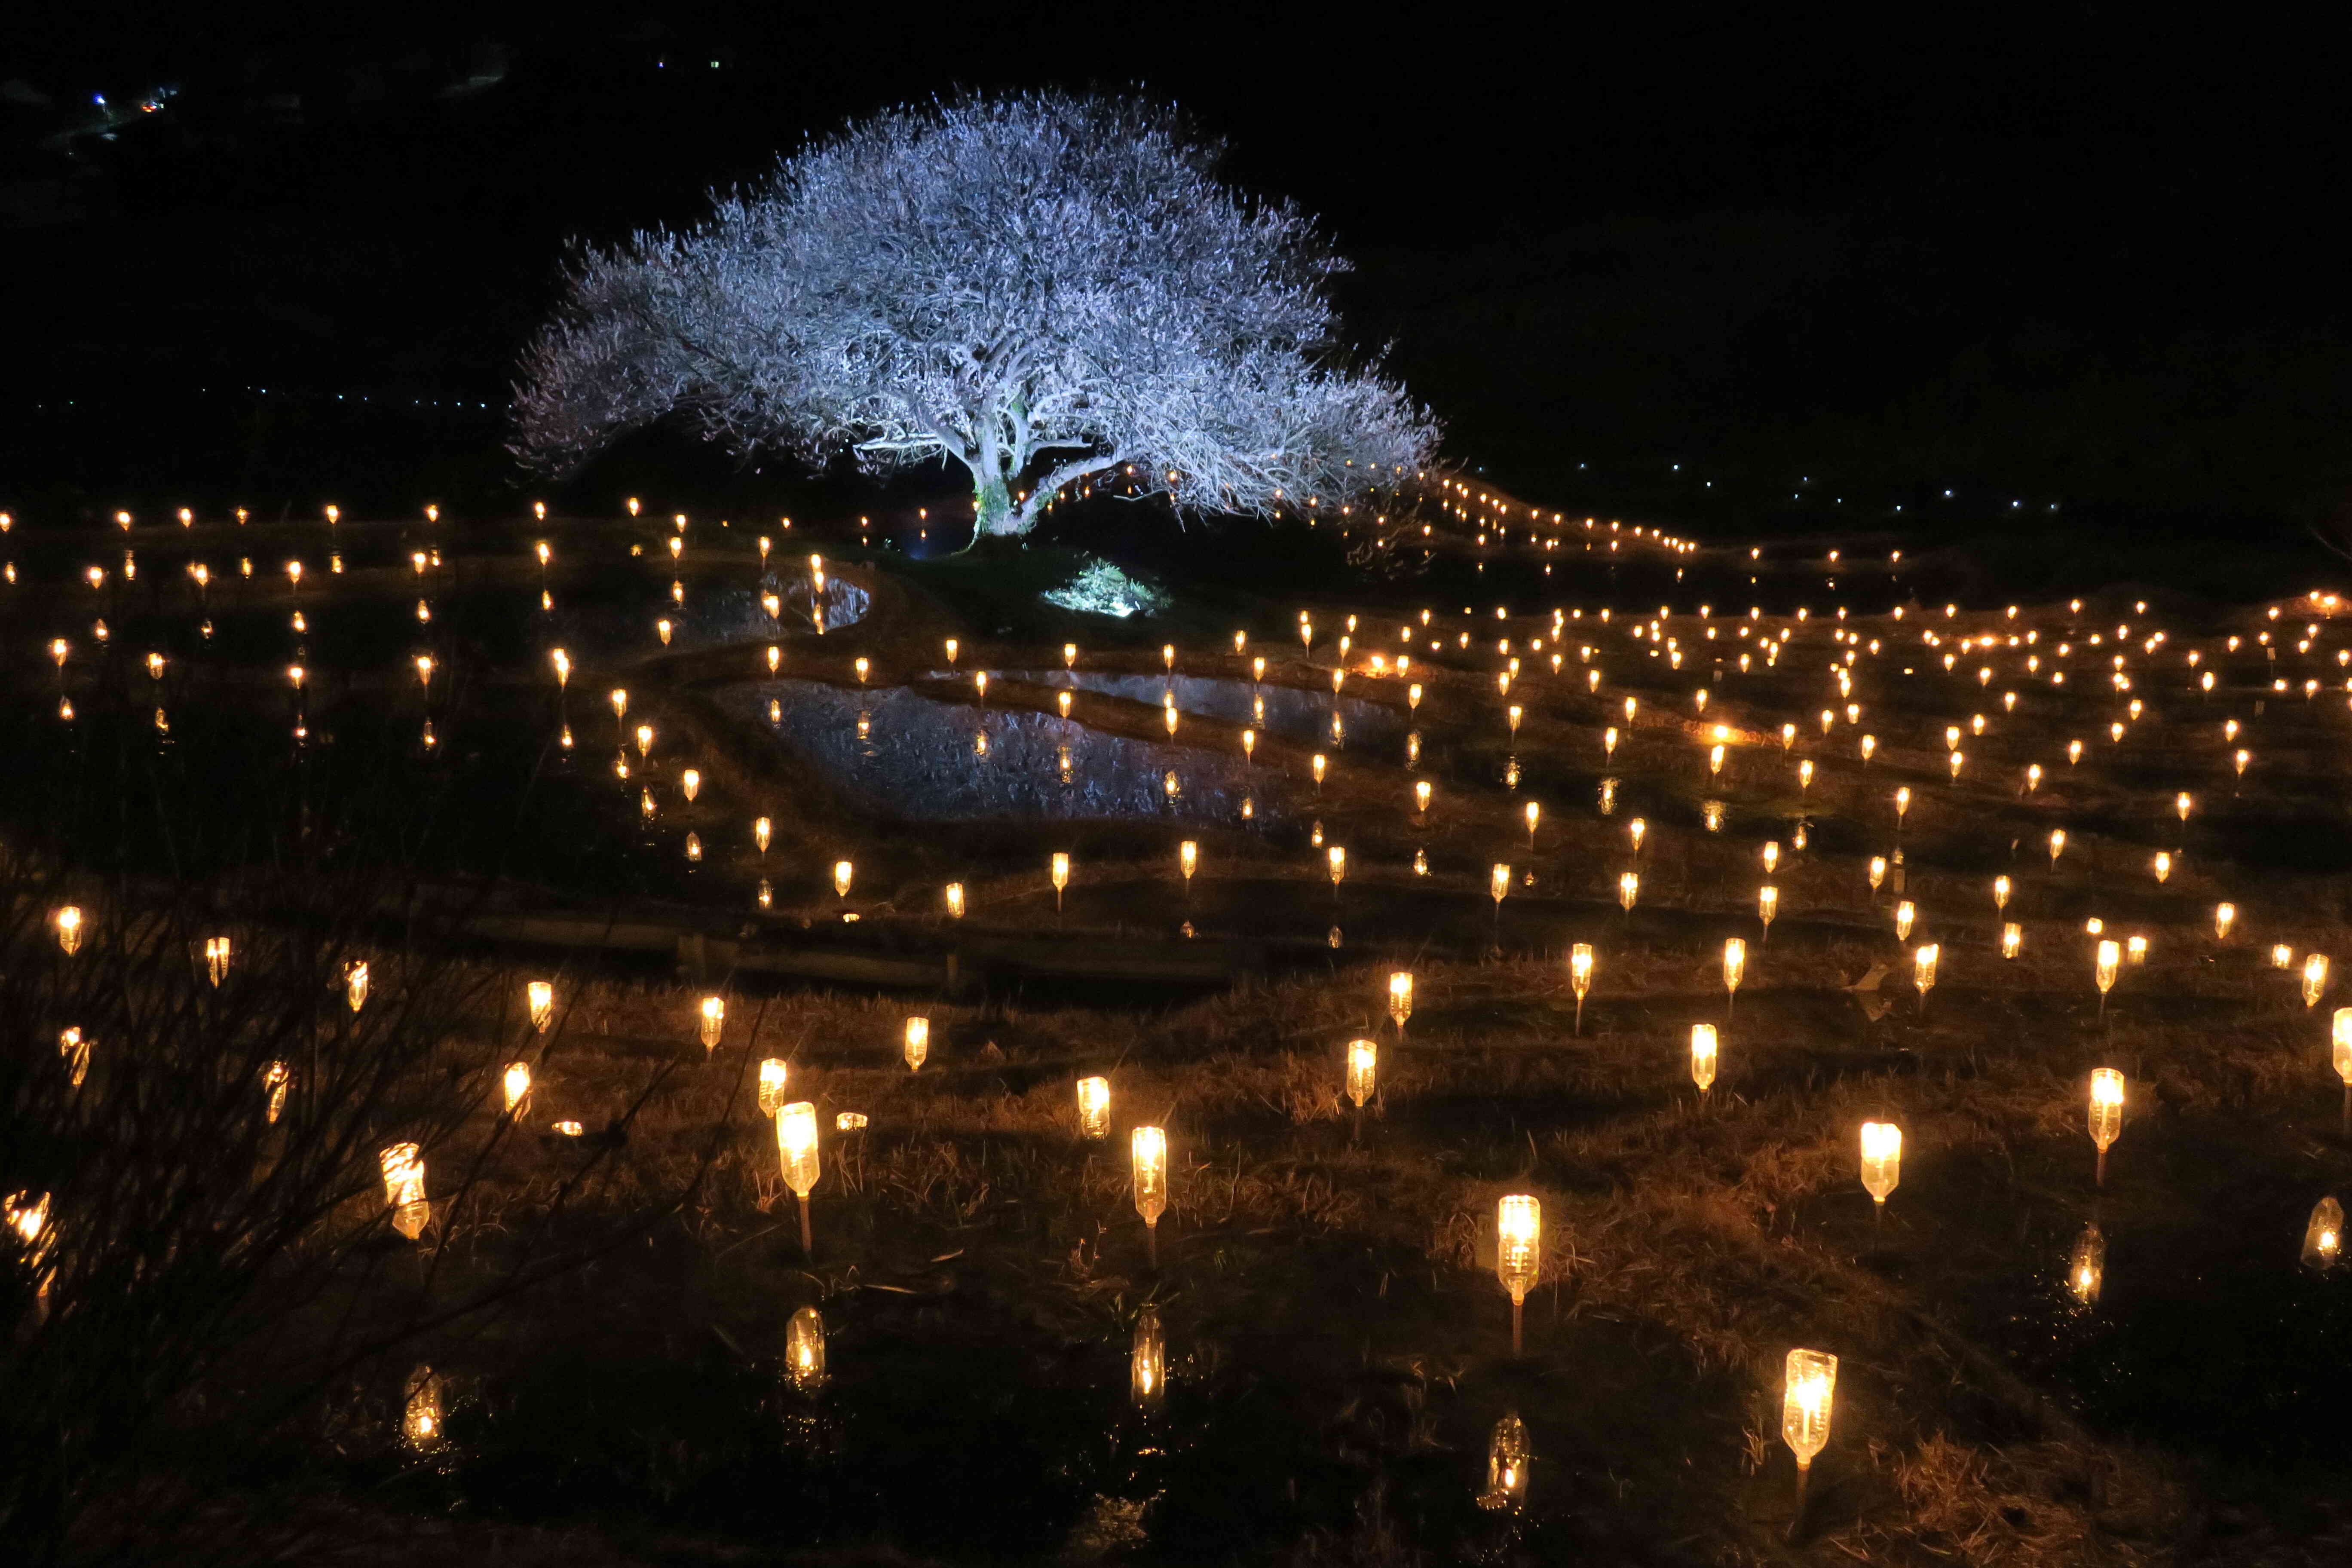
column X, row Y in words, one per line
column 1042, row 288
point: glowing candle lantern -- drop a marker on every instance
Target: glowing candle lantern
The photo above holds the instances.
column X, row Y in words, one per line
column 1635, row 830
column 403, row 1188
column 955, row 900
column 1735, row 968
column 1805, row 774
column 2282, row 956
column 275, row 1079
column 2224, row 916
column 2107, row 1116
column 1868, row 744
column 2183, row 804
column 774, row 1073
column 68, row 923
column 1188, row 858
column 1923, row 969
column 980, row 683
column 1808, row 1384
column 1060, row 875
column 690, row 781
column 517, row 1082
column 1168, row 717
column 1518, row 1253
column 2315, row 979
column 1400, row 998
column 2074, row 753
column 919, row 1043
column 843, row 871
column 1882, row 1160
column 355, row 986
column 2000, row 892
column 1772, row 856
column 2240, row 762
column 542, row 996
column 1094, row 1107
column 1877, row 871
column 2136, row 950
column 1902, row 804
column 714, row 1020
column 1317, row 764
column 2057, row 846
column 1703, row 1048
column 75, row 1048
column 1629, row 888
column 1533, row 811
column 2162, row 865
column 216, row 958
column 1905, row 914
column 762, row 831
column 1061, row 700
column 796, row 1150
column 1498, row 883
column 1608, row 743
column 1507, row 1461
column 1147, row 1159
column 1363, row 1061
column 2032, row 777
column 645, row 740
column 2323, row 1236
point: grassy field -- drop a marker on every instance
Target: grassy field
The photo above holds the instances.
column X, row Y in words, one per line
column 1336, row 1342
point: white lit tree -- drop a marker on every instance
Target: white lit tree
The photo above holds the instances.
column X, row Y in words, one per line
column 1043, row 287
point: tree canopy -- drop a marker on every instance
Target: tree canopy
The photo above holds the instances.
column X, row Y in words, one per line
column 1043, row 287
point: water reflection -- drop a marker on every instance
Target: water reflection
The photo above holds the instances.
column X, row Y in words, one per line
column 1147, row 1362
column 2323, row 1239
column 804, row 1351
column 916, row 756
column 1507, row 1460
column 2087, row 1266
column 420, row 1415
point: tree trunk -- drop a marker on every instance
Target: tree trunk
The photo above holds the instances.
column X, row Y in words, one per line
column 992, row 511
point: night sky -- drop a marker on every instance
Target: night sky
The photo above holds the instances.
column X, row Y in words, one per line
column 1828, row 269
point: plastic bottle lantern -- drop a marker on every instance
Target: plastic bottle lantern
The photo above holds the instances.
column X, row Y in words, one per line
column 517, row 1082
column 1148, row 1157
column 1400, row 998
column 1519, row 1252
column 403, row 1188
column 1882, row 1159
column 541, row 995
column 2107, row 1116
column 1094, row 1107
column 714, row 1020
column 1363, row 1062
column 1703, row 1048
column 774, row 1072
column 1808, row 1385
column 919, row 1043
column 797, row 1152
